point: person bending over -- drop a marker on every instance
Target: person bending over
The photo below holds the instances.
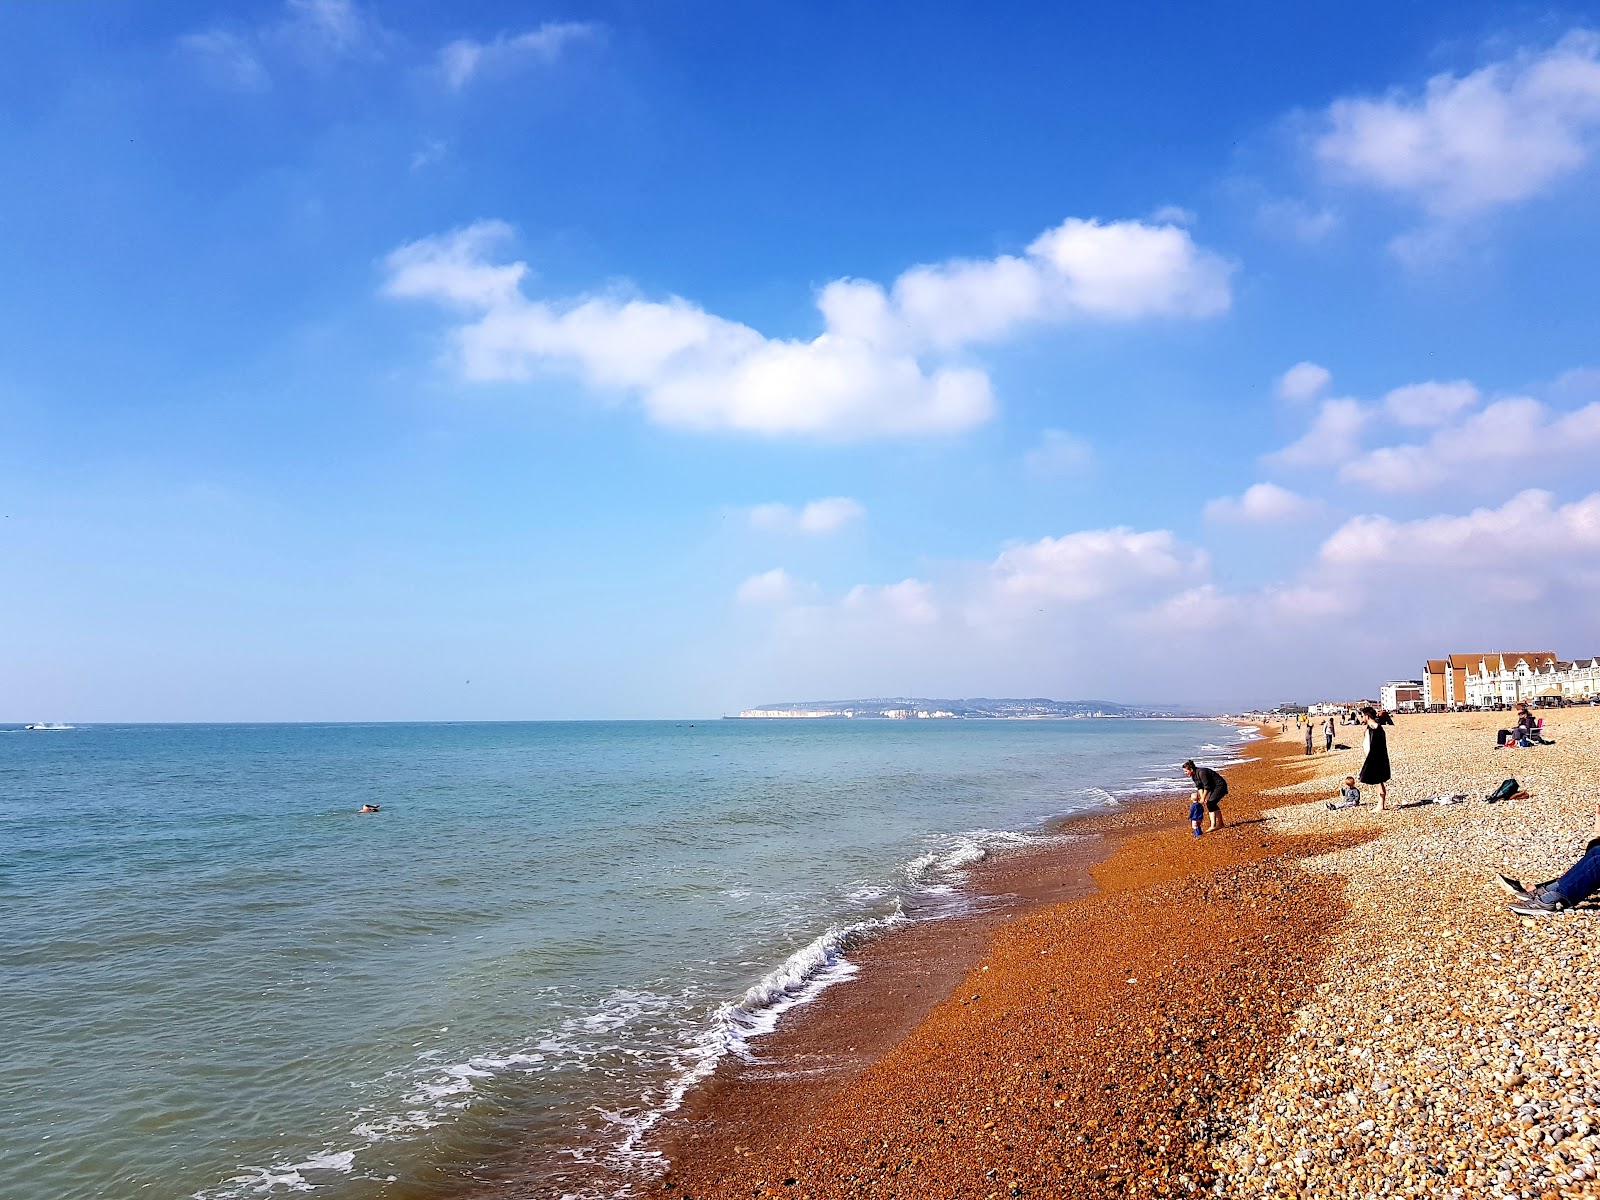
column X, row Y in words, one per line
column 1580, row 882
column 1209, row 789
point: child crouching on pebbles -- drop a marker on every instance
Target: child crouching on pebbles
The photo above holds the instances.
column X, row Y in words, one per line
column 1349, row 795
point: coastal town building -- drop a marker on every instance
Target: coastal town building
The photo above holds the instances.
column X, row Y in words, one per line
column 1577, row 680
column 1508, row 678
column 1444, row 681
column 1400, row 695
column 1433, row 673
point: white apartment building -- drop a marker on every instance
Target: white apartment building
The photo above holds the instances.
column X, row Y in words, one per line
column 1514, row 679
column 1398, row 695
column 1577, row 680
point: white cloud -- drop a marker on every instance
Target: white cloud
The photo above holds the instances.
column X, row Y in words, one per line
column 1059, row 453
column 1470, row 144
column 1118, row 271
column 1469, row 446
column 865, row 375
column 827, row 515
column 1529, row 529
column 769, row 588
column 1334, row 436
column 909, row 602
column 1137, row 615
column 1094, row 564
column 464, row 59
column 1431, row 403
column 1303, row 382
column 1504, row 441
column 1262, row 504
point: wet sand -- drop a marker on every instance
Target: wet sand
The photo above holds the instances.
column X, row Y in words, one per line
column 1094, row 1032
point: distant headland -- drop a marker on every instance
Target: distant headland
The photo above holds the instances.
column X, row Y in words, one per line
column 902, row 708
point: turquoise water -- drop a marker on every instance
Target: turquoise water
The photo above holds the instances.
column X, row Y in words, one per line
column 220, row 981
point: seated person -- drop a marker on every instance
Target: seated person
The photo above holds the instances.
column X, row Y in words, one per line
column 1580, row 882
column 1349, row 795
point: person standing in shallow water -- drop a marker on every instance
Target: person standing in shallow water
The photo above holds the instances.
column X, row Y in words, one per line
column 1375, row 763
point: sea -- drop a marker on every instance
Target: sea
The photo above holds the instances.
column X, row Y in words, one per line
column 218, row 980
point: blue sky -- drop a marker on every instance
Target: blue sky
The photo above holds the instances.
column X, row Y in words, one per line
column 391, row 361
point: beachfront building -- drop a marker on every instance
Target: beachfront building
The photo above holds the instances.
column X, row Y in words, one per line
column 1433, row 674
column 1400, row 695
column 1576, row 680
column 1444, row 682
column 1508, row 678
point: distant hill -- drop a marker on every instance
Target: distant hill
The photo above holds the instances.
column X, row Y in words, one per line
column 908, row 707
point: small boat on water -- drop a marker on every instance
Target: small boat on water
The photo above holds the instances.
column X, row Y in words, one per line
column 50, row 727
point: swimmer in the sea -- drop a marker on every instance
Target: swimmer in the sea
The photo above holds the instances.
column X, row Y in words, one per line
column 369, row 808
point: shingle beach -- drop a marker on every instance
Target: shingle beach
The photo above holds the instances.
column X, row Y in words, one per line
column 1307, row 1003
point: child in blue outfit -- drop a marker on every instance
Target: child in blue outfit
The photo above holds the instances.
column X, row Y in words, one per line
column 1349, row 795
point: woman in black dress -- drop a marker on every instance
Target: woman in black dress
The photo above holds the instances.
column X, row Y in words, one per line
column 1375, row 766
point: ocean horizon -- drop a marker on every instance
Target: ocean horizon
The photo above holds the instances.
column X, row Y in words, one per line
column 225, row 982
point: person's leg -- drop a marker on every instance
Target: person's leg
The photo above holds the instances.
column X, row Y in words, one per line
column 1582, row 881
column 1383, row 796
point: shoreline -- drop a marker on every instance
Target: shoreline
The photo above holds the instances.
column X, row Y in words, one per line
column 901, row 977
column 893, row 979
column 898, row 979
column 836, row 1075
column 1312, row 1004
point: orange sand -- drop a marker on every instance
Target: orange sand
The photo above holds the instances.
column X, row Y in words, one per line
column 1099, row 1048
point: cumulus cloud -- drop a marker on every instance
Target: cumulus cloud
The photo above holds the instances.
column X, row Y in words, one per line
column 1467, row 145
column 1059, row 454
column 879, row 368
column 1094, row 564
column 1334, row 436
column 769, row 588
column 465, row 58
column 1511, row 435
column 909, row 602
column 1137, row 614
column 827, row 515
column 1529, row 528
column 1303, row 382
column 1262, row 504
column 1431, row 403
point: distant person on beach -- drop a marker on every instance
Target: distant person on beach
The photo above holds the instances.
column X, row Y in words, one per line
column 1327, row 733
column 1349, row 795
column 1375, row 759
column 1209, row 789
column 1308, row 739
column 1580, row 882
